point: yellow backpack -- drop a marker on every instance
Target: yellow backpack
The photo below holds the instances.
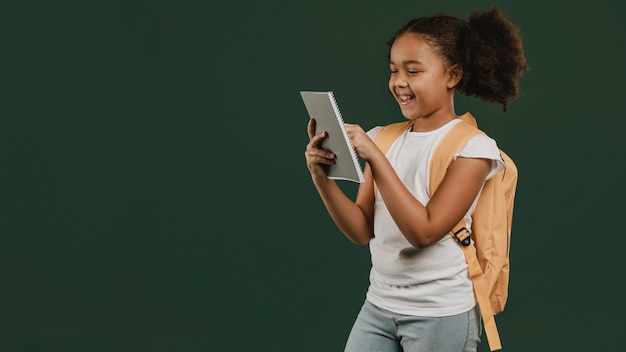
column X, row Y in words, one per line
column 488, row 258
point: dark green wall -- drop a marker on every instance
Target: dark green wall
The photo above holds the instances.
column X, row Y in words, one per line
column 154, row 197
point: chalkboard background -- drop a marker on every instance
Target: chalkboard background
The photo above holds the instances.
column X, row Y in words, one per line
column 154, row 196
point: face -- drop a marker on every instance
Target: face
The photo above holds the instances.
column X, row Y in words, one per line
column 420, row 80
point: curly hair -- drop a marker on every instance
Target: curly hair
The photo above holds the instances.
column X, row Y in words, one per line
column 488, row 47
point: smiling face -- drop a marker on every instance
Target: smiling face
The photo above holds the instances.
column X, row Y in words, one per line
column 421, row 81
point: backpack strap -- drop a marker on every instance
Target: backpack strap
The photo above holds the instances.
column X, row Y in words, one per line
column 451, row 144
column 482, row 297
column 388, row 134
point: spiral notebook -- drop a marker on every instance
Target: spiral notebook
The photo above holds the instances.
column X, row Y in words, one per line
column 323, row 107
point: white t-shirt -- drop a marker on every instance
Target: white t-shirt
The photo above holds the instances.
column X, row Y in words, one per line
column 432, row 281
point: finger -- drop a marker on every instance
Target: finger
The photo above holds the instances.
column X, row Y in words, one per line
column 315, row 140
column 311, row 128
column 319, row 153
column 312, row 153
column 316, row 160
column 351, row 129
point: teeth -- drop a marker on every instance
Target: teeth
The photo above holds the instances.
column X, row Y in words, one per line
column 405, row 97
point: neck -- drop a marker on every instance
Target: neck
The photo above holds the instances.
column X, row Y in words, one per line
column 438, row 117
column 433, row 121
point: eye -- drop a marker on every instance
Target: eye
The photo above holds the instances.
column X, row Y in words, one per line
column 394, row 71
column 413, row 72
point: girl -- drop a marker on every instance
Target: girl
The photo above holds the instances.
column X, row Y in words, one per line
column 420, row 296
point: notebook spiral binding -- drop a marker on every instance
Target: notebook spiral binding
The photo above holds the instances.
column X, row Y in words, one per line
column 345, row 135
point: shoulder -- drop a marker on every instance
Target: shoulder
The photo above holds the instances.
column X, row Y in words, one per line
column 480, row 144
column 374, row 131
column 483, row 147
column 392, row 129
column 474, row 143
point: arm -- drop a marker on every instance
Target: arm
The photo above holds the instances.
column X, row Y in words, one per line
column 423, row 225
column 354, row 219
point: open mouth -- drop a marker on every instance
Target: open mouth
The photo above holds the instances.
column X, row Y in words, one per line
column 406, row 99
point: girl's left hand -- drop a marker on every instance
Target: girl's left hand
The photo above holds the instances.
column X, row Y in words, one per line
column 363, row 144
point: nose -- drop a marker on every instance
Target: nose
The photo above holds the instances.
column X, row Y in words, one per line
column 399, row 80
column 401, row 83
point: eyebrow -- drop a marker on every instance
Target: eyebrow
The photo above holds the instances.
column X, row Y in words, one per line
column 407, row 62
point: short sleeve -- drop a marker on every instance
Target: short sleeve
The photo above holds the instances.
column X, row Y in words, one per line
column 373, row 132
column 484, row 147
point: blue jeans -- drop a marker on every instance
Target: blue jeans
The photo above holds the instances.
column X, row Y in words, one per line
column 380, row 330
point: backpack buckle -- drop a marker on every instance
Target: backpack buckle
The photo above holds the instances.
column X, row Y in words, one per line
column 463, row 236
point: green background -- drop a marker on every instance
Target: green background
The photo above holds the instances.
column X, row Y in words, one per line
column 154, row 196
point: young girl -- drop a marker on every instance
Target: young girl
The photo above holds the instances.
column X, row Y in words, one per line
column 420, row 296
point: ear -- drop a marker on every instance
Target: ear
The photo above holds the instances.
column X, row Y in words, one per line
column 455, row 73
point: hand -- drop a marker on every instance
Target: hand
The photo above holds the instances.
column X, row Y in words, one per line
column 316, row 157
column 363, row 144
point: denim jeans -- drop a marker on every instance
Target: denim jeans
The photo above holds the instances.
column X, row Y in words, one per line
column 379, row 330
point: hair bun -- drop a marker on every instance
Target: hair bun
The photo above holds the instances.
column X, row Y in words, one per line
column 493, row 57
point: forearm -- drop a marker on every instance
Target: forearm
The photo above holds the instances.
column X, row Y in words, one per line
column 347, row 215
column 408, row 213
column 425, row 225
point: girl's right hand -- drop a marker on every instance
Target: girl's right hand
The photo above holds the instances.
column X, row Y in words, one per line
column 315, row 156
